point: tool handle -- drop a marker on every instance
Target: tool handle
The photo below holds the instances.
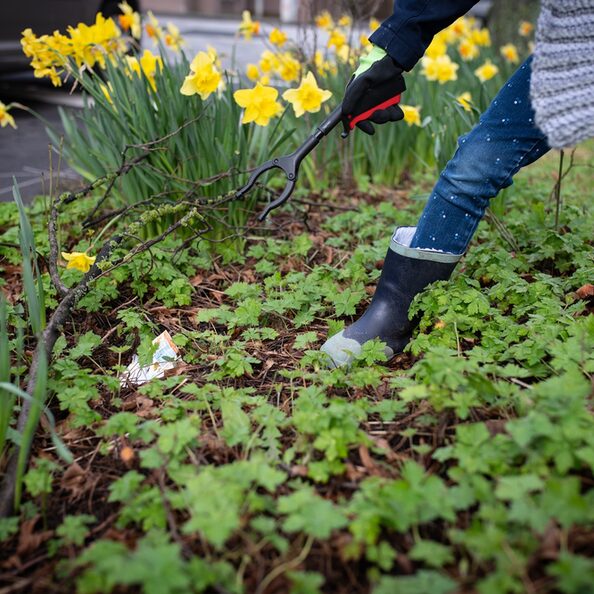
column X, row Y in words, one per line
column 331, row 121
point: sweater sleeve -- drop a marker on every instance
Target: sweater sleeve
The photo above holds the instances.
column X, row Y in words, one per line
column 409, row 31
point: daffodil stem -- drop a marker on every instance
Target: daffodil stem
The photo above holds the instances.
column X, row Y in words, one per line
column 52, row 228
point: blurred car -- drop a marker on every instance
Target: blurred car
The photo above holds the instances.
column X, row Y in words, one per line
column 45, row 16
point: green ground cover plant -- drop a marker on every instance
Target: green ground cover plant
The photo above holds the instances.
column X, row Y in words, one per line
column 466, row 464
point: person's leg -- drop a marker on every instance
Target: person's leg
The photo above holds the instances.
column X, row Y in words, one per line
column 487, row 158
column 505, row 140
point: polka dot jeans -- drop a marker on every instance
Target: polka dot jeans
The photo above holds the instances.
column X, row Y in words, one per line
column 505, row 140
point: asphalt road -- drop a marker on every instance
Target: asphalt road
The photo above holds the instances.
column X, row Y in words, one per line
column 24, row 152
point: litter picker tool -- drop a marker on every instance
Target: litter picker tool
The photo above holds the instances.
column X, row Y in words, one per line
column 289, row 164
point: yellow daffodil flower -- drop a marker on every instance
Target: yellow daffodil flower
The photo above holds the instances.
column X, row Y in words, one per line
column 277, row 37
column 307, row 97
column 525, row 28
column 87, row 44
column 252, row 72
column 5, row 118
column 129, row 20
column 364, row 40
column 374, row 24
column 337, row 39
column 204, row 77
column 212, row 52
column 269, row 62
column 465, row 100
column 289, row 68
column 79, row 260
column 324, row 21
column 173, row 38
column 437, row 48
column 345, row 21
column 323, row 66
column 468, row 50
column 510, row 52
column 481, row 37
column 260, row 104
column 247, row 27
column 487, row 71
column 153, row 28
column 458, row 29
column 91, row 43
column 412, row 114
column 148, row 64
column 345, row 54
column 440, row 69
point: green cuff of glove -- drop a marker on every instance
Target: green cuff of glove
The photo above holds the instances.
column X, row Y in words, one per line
column 367, row 61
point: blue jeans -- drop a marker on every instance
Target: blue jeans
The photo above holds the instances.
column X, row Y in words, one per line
column 505, row 140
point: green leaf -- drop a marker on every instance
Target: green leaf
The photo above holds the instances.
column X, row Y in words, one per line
column 215, row 505
column 311, row 514
column 236, row 423
column 423, row 582
column 305, row 582
column 373, row 351
column 74, row 529
column 345, row 303
column 8, row 527
column 156, row 566
column 431, row 553
column 85, row 345
column 39, row 479
column 126, row 486
column 174, row 438
column 119, row 424
column 304, row 340
column 515, row 487
column 574, row 574
column 247, row 313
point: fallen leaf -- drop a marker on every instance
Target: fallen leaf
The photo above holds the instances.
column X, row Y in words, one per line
column 142, row 405
column 29, row 540
column 496, row 426
column 405, row 563
column 354, row 473
column 386, row 448
column 197, row 280
column 585, row 291
column 298, row 470
column 551, row 542
column 76, row 481
column 366, row 459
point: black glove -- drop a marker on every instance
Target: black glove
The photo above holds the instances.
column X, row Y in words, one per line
column 373, row 93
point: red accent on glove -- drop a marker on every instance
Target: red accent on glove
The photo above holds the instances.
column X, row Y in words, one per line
column 366, row 115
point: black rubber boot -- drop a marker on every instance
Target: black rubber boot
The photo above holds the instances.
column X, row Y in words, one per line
column 406, row 272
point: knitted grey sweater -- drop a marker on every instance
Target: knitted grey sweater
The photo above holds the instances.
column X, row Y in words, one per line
column 562, row 83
